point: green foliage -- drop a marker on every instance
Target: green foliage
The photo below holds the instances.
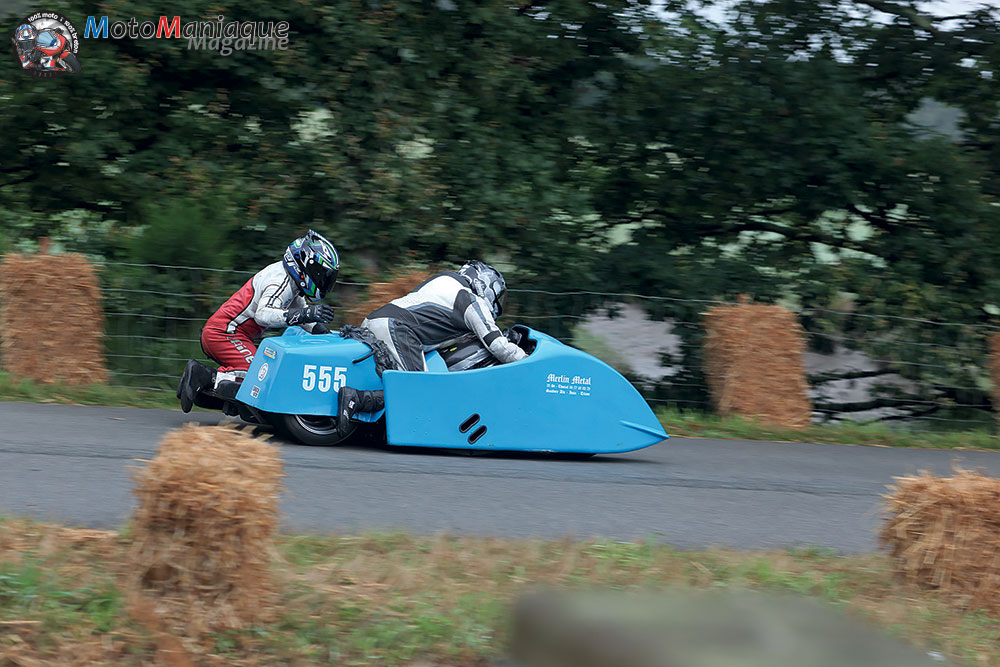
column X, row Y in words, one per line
column 28, row 590
column 436, row 130
column 185, row 233
column 32, row 392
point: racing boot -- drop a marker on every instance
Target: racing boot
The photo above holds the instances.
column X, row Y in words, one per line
column 196, row 377
column 225, row 378
column 227, row 385
column 351, row 401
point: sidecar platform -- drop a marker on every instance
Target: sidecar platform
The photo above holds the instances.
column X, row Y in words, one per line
column 558, row 399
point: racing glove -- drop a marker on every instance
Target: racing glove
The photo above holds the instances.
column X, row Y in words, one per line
column 319, row 313
column 513, row 336
column 319, row 328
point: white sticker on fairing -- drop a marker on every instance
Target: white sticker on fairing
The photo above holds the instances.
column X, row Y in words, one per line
column 255, row 392
column 576, row 385
column 262, row 373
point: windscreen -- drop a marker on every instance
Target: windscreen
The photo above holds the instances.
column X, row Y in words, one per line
column 47, row 39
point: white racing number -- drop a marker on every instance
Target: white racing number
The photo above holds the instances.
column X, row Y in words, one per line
column 323, row 378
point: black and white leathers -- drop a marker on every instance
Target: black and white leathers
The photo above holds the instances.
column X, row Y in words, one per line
column 441, row 309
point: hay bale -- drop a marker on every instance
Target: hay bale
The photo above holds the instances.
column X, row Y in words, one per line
column 379, row 294
column 995, row 373
column 51, row 323
column 944, row 533
column 753, row 363
column 204, row 527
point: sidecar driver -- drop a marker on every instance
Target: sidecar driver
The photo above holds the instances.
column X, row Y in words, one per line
column 442, row 308
column 275, row 297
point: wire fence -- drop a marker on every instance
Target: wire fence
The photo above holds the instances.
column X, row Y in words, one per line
column 918, row 373
column 933, row 375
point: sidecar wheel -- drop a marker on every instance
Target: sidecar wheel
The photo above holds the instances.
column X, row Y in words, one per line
column 310, row 430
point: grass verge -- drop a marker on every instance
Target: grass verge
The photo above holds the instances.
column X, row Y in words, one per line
column 393, row 599
column 12, row 389
column 701, row 425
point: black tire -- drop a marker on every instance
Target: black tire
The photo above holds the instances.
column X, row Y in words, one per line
column 71, row 63
column 309, row 429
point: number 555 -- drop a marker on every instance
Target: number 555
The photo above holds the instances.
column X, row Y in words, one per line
column 323, row 378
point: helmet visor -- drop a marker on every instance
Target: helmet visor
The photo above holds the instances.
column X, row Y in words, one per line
column 501, row 301
column 323, row 276
column 47, row 39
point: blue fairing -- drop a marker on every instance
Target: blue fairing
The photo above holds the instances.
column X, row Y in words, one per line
column 298, row 373
column 558, row 399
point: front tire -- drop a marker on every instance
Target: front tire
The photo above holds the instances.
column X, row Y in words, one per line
column 71, row 63
column 311, row 430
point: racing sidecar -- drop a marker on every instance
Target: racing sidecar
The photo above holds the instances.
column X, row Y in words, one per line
column 557, row 399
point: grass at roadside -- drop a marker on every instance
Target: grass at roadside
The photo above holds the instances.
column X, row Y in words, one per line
column 396, row 599
column 699, row 424
column 13, row 389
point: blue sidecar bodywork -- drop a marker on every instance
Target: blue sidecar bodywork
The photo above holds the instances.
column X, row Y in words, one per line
column 558, row 399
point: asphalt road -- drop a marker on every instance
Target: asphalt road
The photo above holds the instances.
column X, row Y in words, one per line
column 72, row 464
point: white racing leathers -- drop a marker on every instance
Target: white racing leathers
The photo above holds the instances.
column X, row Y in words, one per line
column 440, row 310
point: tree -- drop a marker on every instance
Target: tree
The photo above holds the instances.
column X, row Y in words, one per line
column 776, row 155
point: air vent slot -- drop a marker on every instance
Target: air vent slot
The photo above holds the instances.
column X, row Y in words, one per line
column 477, row 434
column 471, row 421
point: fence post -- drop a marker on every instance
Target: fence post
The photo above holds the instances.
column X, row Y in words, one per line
column 995, row 375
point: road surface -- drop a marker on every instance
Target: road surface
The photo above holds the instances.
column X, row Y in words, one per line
column 72, row 464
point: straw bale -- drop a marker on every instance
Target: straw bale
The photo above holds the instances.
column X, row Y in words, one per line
column 753, row 363
column 944, row 533
column 51, row 323
column 204, row 529
column 379, row 294
column 995, row 372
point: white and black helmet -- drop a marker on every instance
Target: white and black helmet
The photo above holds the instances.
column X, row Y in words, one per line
column 487, row 282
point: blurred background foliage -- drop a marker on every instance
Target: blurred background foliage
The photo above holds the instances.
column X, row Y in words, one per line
column 839, row 154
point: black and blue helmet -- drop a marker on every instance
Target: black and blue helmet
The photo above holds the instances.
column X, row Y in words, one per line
column 313, row 264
